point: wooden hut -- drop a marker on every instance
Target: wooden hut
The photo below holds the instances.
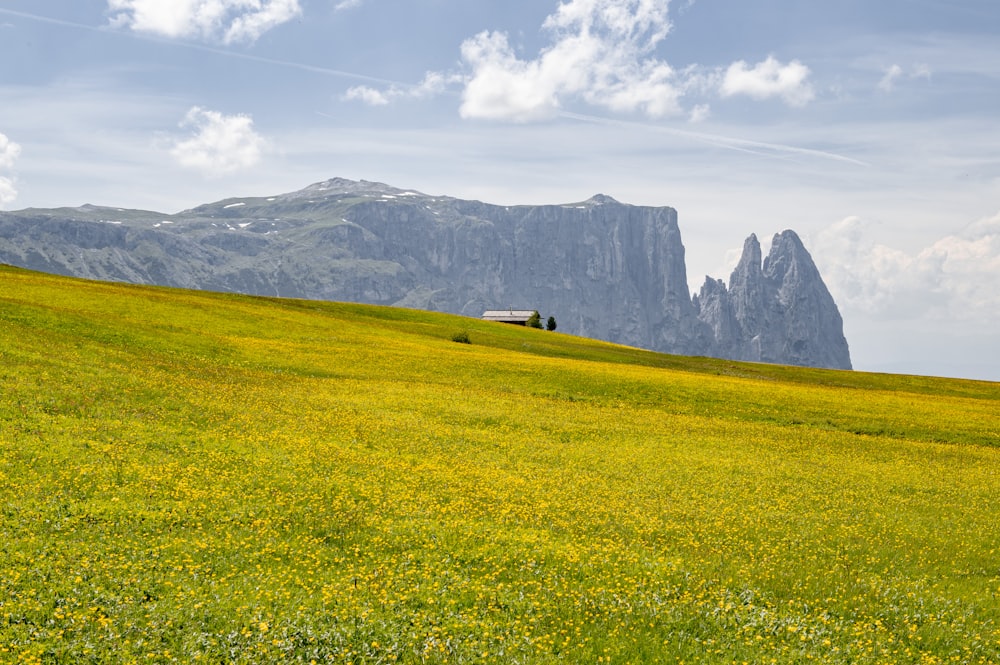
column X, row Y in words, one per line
column 517, row 317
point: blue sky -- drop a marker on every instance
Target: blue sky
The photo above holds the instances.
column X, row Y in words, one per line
column 870, row 128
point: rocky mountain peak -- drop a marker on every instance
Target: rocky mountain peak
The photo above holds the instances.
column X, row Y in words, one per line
column 749, row 266
column 778, row 311
column 788, row 256
column 600, row 199
column 342, row 186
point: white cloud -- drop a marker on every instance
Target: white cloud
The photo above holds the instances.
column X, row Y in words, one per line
column 9, row 152
column 700, row 113
column 433, row 84
column 503, row 87
column 7, row 191
column 226, row 20
column 369, row 95
column 952, row 279
column 602, row 53
column 888, row 81
column 347, row 4
column 221, row 144
column 894, row 73
column 769, row 79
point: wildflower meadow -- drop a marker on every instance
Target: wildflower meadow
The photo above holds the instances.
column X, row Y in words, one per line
column 194, row 477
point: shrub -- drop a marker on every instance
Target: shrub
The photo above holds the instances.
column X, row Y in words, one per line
column 461, row 338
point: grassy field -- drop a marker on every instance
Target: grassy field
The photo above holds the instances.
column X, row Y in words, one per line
column 196, row 477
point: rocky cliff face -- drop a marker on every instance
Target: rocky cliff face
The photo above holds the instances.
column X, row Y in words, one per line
column 602, row 268
column 778, row 312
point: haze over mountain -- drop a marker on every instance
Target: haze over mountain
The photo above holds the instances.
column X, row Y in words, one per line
column 602, row 268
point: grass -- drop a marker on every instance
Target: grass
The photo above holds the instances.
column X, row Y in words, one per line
column 199, row 477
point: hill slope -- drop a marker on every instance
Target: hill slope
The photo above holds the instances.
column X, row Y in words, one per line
column 187, row 474
column 604, row 269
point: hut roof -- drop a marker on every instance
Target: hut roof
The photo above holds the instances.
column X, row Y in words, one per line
column 508, row 315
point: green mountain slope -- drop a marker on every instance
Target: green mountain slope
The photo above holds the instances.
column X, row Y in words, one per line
column 186, row 475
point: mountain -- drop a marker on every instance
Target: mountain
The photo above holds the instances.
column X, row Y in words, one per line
column 778, row 312
column 602, row 268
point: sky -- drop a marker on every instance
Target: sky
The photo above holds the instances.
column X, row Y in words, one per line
column 872, row 129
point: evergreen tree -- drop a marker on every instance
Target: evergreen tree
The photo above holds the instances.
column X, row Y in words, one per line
column 535, row 320
column 551, row 323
